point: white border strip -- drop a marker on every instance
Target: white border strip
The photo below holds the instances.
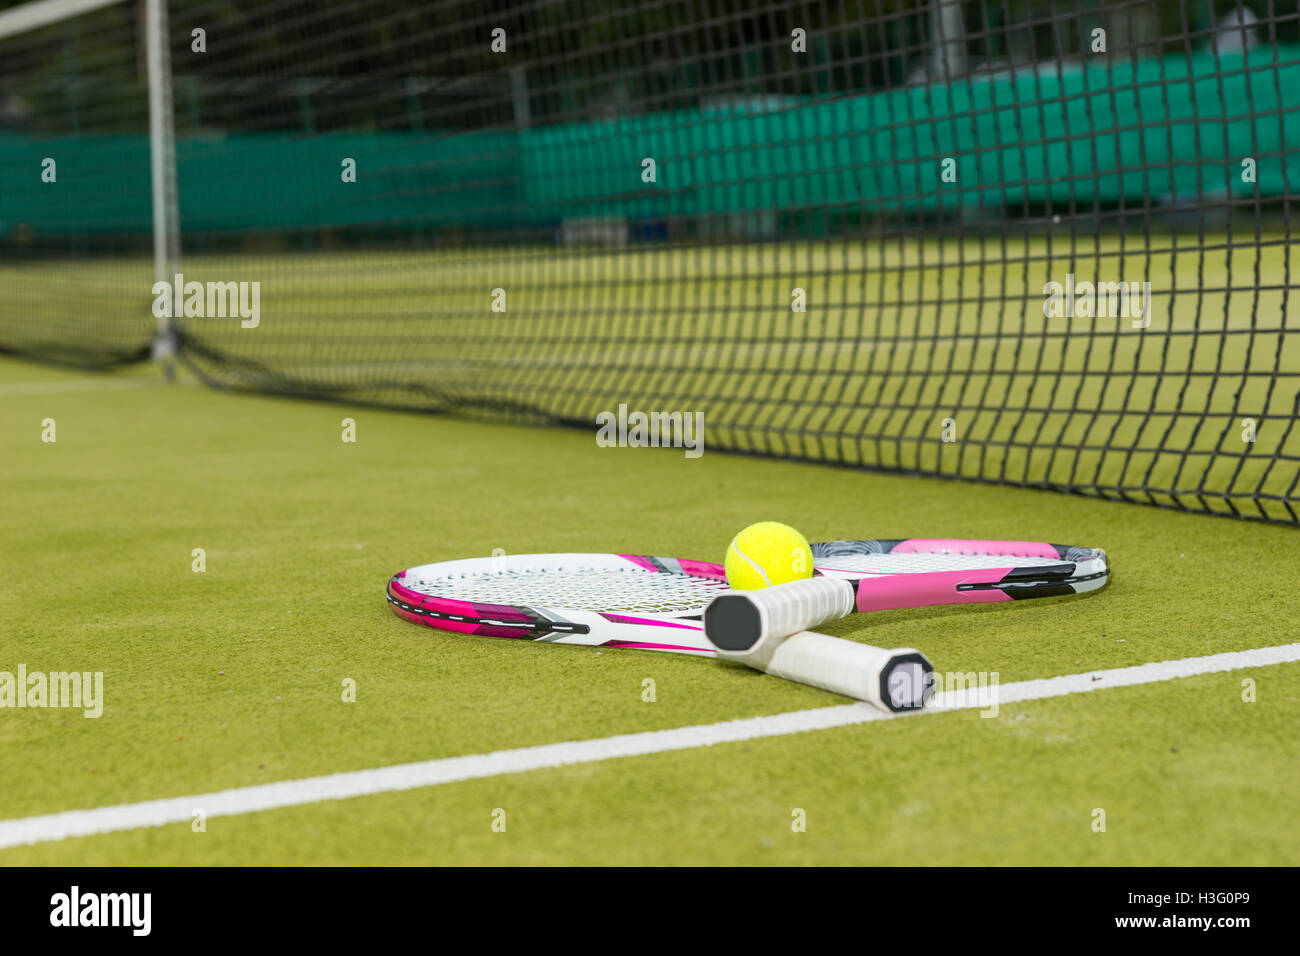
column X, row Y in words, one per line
column 430, row 773
column 42, row 13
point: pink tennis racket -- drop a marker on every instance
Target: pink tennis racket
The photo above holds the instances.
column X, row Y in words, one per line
column 655, row 603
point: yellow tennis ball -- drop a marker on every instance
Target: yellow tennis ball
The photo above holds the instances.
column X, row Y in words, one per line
column 767, row 553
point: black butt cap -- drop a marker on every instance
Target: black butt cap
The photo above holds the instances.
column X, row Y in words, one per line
column 732, row 622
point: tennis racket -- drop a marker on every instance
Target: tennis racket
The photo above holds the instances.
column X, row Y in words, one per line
column 913, row 572
column 641, row 602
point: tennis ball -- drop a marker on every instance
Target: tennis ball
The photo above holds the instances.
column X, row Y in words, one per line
column 767, row 553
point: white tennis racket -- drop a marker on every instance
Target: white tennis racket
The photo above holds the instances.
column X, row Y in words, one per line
column 641, row 602
column 912, row 572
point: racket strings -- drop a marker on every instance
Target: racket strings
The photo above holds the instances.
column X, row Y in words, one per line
column 588, row 589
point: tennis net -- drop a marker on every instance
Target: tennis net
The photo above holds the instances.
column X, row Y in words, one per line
column 1044, row 244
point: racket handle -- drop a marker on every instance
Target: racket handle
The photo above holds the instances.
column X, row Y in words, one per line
column 896, row 680
column 744, row 620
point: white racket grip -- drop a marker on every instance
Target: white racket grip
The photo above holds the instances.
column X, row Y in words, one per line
column 743, row 620
column 895, row 680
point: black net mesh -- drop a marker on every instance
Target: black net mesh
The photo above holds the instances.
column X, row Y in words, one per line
column 75, row 243
column 1041, row 243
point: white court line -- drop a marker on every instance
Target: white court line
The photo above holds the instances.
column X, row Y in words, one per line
column 429, row 773
column 79, row 385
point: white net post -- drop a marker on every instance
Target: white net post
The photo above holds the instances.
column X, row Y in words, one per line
column 162, row 154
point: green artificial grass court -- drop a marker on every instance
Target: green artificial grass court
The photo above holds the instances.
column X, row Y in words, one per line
column 233, row 677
